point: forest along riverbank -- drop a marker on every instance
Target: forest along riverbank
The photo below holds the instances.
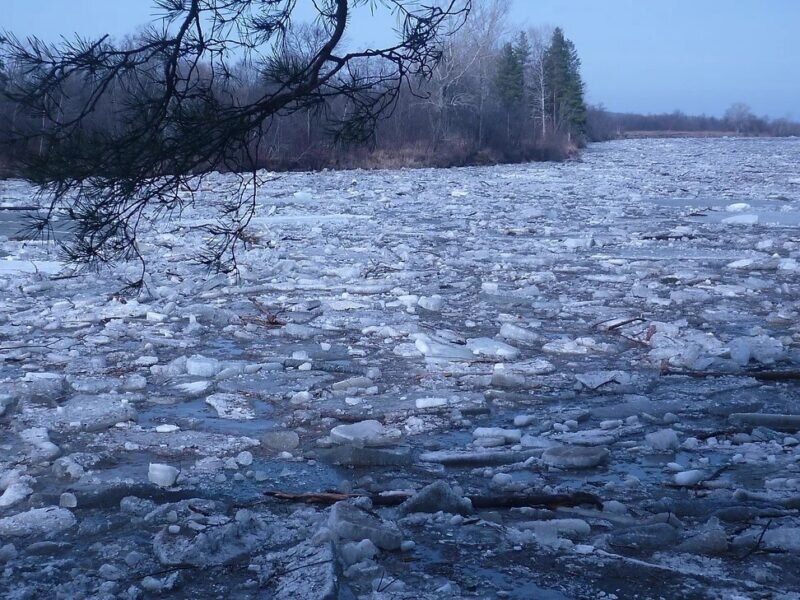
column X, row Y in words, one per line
column 517, row 372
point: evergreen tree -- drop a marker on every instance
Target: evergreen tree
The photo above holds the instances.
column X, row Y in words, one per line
column 522, row 54
column 566, row 103
column 510, row 78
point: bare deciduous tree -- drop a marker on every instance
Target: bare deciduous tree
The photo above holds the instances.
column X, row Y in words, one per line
column 461, row 78
column 739, row 115
column 537, row 75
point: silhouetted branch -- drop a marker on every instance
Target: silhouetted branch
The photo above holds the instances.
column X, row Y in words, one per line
column 179, row 113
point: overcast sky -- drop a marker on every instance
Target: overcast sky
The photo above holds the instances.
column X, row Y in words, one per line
column 698, row 56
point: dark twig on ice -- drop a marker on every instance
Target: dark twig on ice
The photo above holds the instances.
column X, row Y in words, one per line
column 169, row 571
column 613, row 324
column 758, row 541
column 478, row 501
column 269, row 319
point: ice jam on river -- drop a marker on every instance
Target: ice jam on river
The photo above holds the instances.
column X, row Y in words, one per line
column 572, row 380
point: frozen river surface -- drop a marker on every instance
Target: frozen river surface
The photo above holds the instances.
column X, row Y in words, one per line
column 583, row 376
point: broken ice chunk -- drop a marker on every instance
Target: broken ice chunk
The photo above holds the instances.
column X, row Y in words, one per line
column 16, row 492
column 359, row 456
column 737, row 207
column 351, row 523
column 162, row 475
column 435, row 497
column 762, row 349
column 167, row 428
column 477, row 459
column 440, row 350
column 431, row 303
column 489, row 347
column 353, row 383
column 245, row 458
column 354, row 552
column 6, row 401
column 575, row 457
column 646, row 538
column 41, row 522
column 231, row 406
column 194, row 388
column 747, row 219
column 665, row 439
column 423, row 403
column 200, row 366
column 576, row 243
column 596, row 379
column 573, row 529
column 39, row 439
column 509, row 436
column 365, row 433
column 67, row 500
column 565, row 346
column 281, row 440
column 689, row 478
column 513, row 332
column 94, row 413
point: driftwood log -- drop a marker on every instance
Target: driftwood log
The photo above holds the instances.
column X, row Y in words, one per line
column 479, row 501
column 759, row 375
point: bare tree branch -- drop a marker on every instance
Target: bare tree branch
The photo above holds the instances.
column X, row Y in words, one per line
column 178, row 111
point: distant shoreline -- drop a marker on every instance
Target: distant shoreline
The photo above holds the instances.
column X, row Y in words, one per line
column 637, row 135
